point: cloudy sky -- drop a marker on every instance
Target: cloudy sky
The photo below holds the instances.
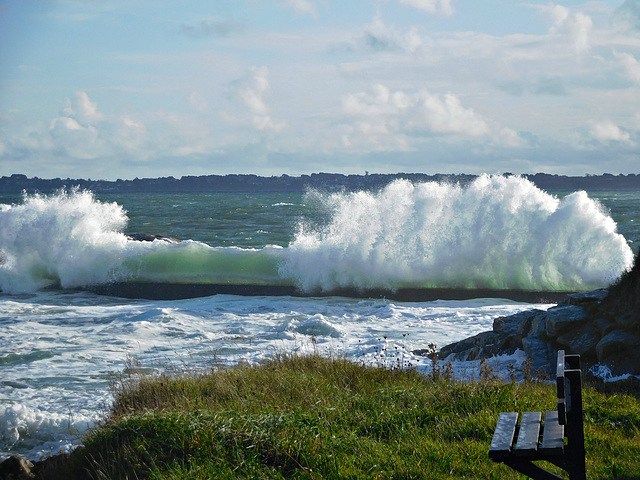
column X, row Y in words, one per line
column 110, row 89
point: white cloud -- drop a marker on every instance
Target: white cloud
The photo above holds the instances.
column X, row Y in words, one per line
column 303, row 6
column 606, row 130
column 431, row 6
column 380, row 37
column 385, row 119
column 217, row 28
column 575, row 25
column 83, row 132
column 413, row 40
column 252, row 94
column 81, row 107
column 445, row 114
column 629, row 14
column 557, row 13
column 630, row 65
column 74, row 140
column 198, row 102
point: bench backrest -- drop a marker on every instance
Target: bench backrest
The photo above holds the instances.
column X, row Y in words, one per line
column 569, row 385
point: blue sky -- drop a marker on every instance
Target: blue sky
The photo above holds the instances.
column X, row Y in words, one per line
column 147, row 88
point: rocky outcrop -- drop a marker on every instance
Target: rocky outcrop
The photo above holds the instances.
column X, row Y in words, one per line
column 602, row 326
column 18, row 468
column 149, row 237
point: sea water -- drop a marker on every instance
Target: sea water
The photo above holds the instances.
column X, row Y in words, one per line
column 61, row 347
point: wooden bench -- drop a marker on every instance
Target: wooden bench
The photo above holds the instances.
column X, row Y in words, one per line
column 519, row 445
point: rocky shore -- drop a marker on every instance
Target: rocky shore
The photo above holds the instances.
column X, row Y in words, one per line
column 602, row 326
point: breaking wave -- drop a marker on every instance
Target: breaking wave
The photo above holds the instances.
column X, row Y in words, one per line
column 497, row 233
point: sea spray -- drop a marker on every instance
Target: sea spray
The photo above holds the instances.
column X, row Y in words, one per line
column 68, row 239
column 72, row 240
column 497, row 233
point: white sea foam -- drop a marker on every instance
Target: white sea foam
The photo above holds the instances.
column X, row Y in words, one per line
column 46, row 431
column 67, row 239
column 498, row 232
column 72, row 345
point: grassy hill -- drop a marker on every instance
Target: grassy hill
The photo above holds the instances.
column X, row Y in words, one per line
column 312, row 418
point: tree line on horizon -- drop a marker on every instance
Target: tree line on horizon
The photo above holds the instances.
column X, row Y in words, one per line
column 18, row 183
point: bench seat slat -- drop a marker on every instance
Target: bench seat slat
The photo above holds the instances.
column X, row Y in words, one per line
column 527, row 443
column 537, row 441
column 503, row 435
column 552, row 435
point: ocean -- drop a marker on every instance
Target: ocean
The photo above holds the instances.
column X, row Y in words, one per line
column 62, row 345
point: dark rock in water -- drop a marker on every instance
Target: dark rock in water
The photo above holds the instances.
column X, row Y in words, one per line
column 16, row 468
column 602, row 326
column 148, row 237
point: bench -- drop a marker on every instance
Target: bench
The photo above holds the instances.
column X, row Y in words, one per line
column 519, row 445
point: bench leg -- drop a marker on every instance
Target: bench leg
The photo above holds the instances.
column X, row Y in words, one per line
column 531, row 470
column 577, row 470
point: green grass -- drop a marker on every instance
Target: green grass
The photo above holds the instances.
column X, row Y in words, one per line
column 311, row 417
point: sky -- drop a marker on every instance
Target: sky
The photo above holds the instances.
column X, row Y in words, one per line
column 108, row 89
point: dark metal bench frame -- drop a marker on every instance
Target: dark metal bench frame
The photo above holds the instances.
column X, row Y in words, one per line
column 518, row 446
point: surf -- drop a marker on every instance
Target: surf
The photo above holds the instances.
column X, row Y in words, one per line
column 496, row 234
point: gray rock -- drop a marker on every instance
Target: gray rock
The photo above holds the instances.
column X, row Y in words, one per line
column 604, row 326
column 470, row 348
column 620, row 351
column 150, row 237
column 587, row 298
column 540, row 353
column 596, row 325
column 538, row 326
column 628, row 321
column 614, row 343
column 513, row 324
column 582, row 341
column 564, row 318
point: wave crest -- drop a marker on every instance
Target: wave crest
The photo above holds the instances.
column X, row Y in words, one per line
column 497, row 232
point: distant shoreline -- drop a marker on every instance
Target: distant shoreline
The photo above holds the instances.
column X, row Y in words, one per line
column 17, row 183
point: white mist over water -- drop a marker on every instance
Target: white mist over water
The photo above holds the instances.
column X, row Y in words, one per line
column 495, row 233
column 498, row 233
column 68, row 239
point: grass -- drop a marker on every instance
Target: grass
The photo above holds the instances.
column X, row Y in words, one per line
column 312, row 417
